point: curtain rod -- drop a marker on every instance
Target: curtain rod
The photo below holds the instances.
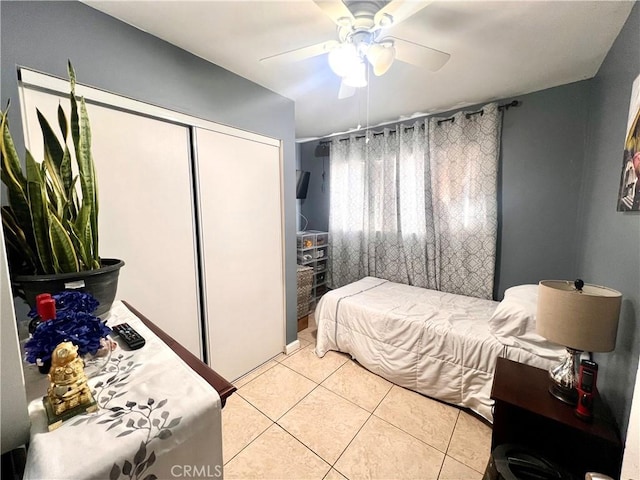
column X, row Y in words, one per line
column 503, row 107
column 506, row 106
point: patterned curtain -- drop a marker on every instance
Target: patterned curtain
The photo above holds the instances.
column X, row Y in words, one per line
column 464, row 170
column 387, row 218
column 347, row 259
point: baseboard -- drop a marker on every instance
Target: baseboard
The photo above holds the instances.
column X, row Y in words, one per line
column 292, row 347
column 303, row 323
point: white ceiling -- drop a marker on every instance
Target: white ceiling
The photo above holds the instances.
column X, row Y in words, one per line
column 498, row 49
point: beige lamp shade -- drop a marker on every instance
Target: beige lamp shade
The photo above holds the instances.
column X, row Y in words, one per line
column 584, row 320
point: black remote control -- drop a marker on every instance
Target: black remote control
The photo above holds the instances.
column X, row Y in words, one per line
column 129, row 336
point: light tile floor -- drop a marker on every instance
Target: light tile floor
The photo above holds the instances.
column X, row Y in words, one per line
column 303, row 417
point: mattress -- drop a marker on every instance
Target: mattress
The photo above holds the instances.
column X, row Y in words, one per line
column 435, row 343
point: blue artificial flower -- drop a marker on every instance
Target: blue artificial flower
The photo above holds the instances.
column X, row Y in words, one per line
column 73, row 323
column 72, row 300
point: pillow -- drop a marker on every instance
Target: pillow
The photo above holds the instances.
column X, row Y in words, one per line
column 514, row 323
column 516, row 314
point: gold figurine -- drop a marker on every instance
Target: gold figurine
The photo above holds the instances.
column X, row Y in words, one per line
column 68, row 393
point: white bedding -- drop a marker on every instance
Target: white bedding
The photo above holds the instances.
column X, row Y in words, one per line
column 438, row 344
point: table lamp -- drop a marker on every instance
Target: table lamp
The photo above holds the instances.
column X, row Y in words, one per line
column 581, row 317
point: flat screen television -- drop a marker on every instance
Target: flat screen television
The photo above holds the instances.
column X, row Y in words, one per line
column 302, row 184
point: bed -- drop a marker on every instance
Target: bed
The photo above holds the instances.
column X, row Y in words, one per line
column 439, row 344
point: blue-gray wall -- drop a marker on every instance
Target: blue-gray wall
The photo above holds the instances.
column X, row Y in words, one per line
column 541, row 165
column 116, row 57
column 316, row 206
column 608, row 242
column 560, row 171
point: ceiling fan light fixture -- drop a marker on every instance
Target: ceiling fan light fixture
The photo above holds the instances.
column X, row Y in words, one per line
column 385, row 20
column 343, row 58
column 357, row 77
column 381, row 57
column 343, row 22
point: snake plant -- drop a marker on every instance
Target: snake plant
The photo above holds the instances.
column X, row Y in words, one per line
column 51, row 222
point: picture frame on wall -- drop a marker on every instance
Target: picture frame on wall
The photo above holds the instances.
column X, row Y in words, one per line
column 629, row 192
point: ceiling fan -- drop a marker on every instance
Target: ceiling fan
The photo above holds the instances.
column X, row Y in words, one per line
column 362, row 27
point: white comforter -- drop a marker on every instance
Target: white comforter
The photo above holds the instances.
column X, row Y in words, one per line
column 435, row 343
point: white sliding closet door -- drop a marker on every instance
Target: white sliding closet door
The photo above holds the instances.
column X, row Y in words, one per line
column 242, row 249
column 146, row 215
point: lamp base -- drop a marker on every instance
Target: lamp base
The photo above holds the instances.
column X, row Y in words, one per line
column 564, row 378
column 564, row 394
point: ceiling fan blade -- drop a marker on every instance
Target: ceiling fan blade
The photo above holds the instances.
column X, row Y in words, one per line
column 396, row 11
column 336, row 11
column 419, row 55
column 345, row 91
column 300, row 53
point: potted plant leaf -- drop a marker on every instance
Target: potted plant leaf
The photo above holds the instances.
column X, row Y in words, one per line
column 51, row 222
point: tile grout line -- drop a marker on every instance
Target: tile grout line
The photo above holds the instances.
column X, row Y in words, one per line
column 424, row 443
column 459, row 410
column 345, row 398
column 251, row 441
column 336, row 371
column 274, row 359
column 337, row 394
column 298, row 402
column 291, row 434
column 347, row 447
column 275, row 422
column 293, row 354
column 305, row 446
column 249, row 373
column 331, row 466
column 370, row 414
column 357, row 433
column 311, row 379
column 293, row 406
column 452, row 432
column 257, row 409
column 414, row 437
column 287, row 411
column 411, row 434
column 449, row 446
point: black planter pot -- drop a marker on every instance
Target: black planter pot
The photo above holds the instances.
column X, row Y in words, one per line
column 102, row 283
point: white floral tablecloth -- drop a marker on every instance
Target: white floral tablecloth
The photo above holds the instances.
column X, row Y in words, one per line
column 157, row 419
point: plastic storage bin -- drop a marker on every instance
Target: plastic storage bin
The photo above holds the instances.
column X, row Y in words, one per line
column 313, row 252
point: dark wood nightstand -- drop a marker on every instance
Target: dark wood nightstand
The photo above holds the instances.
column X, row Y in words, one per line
column 525, row 413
